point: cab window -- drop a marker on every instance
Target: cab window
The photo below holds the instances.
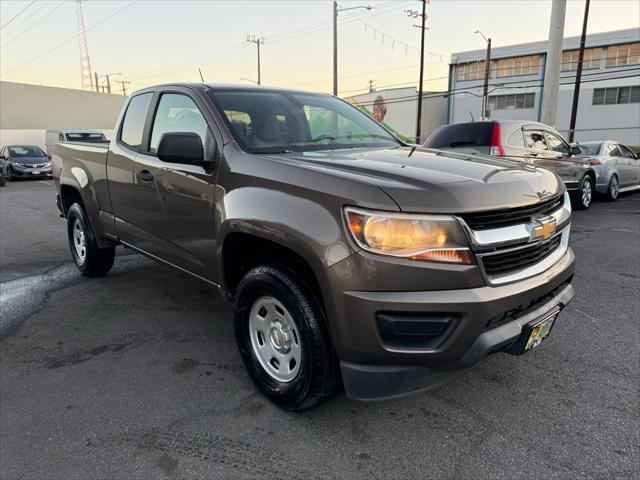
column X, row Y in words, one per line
column 134, row 119
column 534, row 140
column 178, row 113
column 515, row 139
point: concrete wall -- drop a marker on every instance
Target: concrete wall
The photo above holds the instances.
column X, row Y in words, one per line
column 24, row 106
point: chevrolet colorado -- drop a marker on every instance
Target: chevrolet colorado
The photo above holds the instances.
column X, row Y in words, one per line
column 351, row 258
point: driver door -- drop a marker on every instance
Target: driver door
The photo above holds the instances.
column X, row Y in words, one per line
column 176, row 205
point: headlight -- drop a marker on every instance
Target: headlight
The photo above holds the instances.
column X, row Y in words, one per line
column 434, row 238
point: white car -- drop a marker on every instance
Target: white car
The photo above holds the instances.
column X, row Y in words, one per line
column 617, row 168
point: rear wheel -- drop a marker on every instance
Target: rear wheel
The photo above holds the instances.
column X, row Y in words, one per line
column 613, row 190
column 91, row 260
column 282, row 336
column 584, row 196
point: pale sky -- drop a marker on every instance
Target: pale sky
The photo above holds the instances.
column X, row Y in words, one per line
column 153, row 42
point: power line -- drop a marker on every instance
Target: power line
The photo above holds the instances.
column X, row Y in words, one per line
column 27, row 18
column 68, row 40
column 16, row 15
column 273, row 38
column 34, row 24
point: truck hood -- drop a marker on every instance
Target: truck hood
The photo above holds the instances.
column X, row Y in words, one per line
column 423, row 180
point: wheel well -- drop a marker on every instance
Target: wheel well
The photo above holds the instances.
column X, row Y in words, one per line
column 592, row 176
column 241, row 252
column 69, row 196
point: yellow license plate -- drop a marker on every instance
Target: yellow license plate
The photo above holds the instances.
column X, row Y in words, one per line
column 540, row 331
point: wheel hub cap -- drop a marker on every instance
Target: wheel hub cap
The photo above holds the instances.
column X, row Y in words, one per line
column 79, row 241
column 274, row 339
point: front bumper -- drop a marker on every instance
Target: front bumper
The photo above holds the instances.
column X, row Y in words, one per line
column 27, row 172
column 489, row 319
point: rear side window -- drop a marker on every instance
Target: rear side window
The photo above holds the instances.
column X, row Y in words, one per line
column 515, row 139
column 462, row 135
column 534, row 140
column 134, row 118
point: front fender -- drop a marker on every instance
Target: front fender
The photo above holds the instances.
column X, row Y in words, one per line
column 311, row 229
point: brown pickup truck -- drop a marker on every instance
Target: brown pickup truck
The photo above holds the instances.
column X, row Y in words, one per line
column 351, row 258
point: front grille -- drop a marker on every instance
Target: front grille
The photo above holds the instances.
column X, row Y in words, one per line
column 514, row 260
column 513, row 216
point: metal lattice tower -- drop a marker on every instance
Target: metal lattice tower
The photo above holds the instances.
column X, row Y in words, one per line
column 85, row 64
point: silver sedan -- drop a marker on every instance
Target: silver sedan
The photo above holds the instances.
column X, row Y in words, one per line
column 617, row 168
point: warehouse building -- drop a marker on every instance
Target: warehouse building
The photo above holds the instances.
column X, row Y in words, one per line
column 609, row 104
column 29, row 114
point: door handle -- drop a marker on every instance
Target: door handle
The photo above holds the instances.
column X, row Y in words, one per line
column 144, row 176
column 532, row 154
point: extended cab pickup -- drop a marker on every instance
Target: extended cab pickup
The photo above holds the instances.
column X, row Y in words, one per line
column 351, row 258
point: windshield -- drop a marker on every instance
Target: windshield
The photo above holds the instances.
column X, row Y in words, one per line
column 86, row 137
column 26, row 152
column 280, row 122
column 590, row 148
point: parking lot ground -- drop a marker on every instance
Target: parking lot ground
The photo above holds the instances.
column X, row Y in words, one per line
column 136, row 375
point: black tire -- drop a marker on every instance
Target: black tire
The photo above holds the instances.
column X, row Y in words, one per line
column 9, row 174
column 583, row 197
column 613, row 189
column 95, row 261
column 2, row 180
column 318, row 376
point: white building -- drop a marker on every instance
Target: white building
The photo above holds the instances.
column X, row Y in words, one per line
column 609, row 103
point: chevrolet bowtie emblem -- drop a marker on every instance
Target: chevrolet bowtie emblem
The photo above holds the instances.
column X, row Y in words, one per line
column 543, row 228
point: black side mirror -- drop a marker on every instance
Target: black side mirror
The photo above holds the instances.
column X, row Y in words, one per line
column 181, row 147
column 576, row 150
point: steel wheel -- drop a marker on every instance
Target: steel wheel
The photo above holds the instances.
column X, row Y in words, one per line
column 79, row 241
column 586, row 193
column 275, row 339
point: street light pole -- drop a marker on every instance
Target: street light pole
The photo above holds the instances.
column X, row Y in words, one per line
column 487, row 73
column 336, row 10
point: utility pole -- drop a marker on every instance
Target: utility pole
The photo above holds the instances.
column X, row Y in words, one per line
column 96, row 78
column 337, row 10
column 487, row 73
column 258, row 41
column 423, row 28
column 576, row 88
column 124, row 84
column 551, row 82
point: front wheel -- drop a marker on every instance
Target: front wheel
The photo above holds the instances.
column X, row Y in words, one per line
column 584, row 195
column 282, row 336
column 91, row 260
column 613, row 190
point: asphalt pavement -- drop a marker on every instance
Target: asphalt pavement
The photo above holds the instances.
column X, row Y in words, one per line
column 136, row 376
